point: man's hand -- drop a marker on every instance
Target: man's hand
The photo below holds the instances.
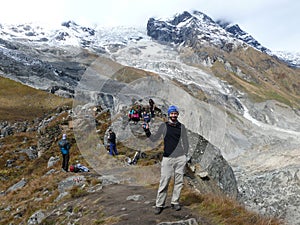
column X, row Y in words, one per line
column 145, row 126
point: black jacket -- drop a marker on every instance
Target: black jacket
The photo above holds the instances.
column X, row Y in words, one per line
column 112, row 138
column 175, row 139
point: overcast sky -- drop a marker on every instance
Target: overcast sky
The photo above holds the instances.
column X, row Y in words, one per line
column 273, row 23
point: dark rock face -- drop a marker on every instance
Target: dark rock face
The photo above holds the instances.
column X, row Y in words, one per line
column 169, row 32
column 242, row 35
column 30, row 67
column 163, row 32
column 212, row 161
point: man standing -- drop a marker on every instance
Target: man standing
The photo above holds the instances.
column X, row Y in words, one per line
column 112, row 142
column 64, row 146
column 174, row 158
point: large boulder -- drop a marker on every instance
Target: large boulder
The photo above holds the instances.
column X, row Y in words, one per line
column 210, row 170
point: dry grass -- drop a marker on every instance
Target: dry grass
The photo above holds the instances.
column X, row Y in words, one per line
column 107, row 221
column 129, row 74
column 224, row 210
column 19, row 102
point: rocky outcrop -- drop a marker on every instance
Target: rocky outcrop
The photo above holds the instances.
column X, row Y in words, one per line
column 18, row 185
column 279, row 195
column 8, row 128
column 31, row 68
column 208, row 163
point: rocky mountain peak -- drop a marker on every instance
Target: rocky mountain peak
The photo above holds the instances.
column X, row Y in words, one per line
column 181, row 18
column 190, row 17
column 237, row 32
column 74, row 26
column 69, row 24
column 190, row 29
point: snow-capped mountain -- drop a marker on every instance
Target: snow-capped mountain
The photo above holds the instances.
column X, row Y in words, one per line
column 187, row 28
column 196, row 29
column 191, row 29
column 70, row 34
column 54, row 59
column 292, row 58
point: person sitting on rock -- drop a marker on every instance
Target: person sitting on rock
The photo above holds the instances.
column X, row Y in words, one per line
column 131, row 112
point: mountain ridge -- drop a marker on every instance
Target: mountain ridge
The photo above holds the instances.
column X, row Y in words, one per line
column 84, row 36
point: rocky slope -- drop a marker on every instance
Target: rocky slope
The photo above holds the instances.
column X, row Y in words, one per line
column 240, row 99
column 36, row 191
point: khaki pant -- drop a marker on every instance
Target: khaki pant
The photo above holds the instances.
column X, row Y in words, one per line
column 171, row 167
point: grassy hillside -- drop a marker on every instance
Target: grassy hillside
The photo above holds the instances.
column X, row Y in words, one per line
column 19, row 102
column 261, row 76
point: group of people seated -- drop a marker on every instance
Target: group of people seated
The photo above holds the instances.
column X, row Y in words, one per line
column 138, row 112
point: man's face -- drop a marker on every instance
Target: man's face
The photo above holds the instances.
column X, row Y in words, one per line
column 173, row 116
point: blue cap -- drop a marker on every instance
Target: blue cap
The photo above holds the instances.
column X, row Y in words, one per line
column 172, row 108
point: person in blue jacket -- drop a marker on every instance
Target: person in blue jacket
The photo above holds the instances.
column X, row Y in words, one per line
column 65, row 146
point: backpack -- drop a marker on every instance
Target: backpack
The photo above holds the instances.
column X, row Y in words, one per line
column 74, row 168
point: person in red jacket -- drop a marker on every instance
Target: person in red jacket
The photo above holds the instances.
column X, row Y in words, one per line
column 174, row 158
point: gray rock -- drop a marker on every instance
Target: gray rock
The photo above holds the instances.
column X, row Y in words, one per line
column 274, row 193
column 9, row 162
column 17, row 186
column 52, row 161
column 61, row 196
column 213, row 165
column 31, row 152
column 36, row 218
column 70, row 182
column 6, row 131
column 135, row 198
column 50, row 172
column 191, row 221
column 109, row 179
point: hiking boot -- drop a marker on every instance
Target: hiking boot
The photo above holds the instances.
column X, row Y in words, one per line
column 177, row 207
column 158, row 210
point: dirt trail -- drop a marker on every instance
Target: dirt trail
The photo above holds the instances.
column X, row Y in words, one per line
column 130, row 212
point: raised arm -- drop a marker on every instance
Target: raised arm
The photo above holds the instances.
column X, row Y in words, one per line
column 154, row 137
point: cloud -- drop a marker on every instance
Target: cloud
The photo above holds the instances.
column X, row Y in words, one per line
column 16, row 11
